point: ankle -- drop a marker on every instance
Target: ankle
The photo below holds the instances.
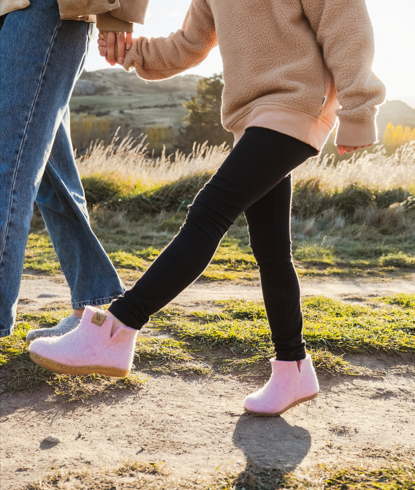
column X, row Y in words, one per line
column 79, row 312
column 115, row 322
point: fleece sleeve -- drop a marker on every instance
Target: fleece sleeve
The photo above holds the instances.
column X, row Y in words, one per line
column 344, row 31
column 163, row 57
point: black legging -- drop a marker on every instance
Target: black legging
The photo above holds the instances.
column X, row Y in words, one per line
column 255, row 178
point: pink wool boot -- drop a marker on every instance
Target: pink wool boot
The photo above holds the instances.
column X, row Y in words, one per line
column 291, row 383
column 88, row 349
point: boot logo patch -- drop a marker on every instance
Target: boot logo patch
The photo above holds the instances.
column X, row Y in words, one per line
column 98, row 319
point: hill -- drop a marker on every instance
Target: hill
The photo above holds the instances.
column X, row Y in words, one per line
column 396, row 112
column 130, row 102
column 135, row 105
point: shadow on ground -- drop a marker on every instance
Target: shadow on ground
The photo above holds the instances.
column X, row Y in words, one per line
column 271, row 447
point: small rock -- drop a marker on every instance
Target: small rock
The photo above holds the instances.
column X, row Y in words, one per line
column 51, row 440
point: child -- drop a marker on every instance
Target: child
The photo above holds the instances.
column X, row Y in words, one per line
column 288, row 65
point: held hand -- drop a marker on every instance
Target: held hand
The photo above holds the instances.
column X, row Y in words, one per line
column 112, row 46
column 348, row 149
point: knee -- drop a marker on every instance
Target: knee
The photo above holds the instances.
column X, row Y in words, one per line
column 269, row 257
column 207, row 217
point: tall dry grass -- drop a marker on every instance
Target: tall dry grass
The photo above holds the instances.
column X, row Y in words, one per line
column 376, row 171
column 127, row 160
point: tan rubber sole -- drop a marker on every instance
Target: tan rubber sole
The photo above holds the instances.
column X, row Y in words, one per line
column 294, row 404
column 56, row 367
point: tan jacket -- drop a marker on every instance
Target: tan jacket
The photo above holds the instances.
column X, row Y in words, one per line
column 110, row 15
column 288, row 65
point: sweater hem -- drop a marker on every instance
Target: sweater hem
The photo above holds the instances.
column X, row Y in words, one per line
column 300, row 125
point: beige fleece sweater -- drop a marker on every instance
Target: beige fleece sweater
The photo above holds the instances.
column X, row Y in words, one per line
column 110, row 15
column 288, row 65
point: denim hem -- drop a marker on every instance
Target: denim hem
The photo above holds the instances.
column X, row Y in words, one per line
column 96, row 302
column 6, row 333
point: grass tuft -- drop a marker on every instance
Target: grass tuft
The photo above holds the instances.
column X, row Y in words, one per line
column 401, row 299
column 130, row 468
column 236, row 338
column 150, row 476
column 80, row 388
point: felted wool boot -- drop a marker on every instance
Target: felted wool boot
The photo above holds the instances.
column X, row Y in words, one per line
column 291, row 383
column 88, row 349
column 63, row 327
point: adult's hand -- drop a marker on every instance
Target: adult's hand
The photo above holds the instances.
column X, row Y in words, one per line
column 348, row 149
column 113, row 45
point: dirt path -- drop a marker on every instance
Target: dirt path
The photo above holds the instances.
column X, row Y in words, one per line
column 37, row 292
column 197, row 424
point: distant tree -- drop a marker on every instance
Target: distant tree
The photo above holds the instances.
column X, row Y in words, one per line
column 398, row 136
column 88, row 128
column 407, row 134
column 159, row 136
column 388, row 141
column 203, row 122
column 393, row 137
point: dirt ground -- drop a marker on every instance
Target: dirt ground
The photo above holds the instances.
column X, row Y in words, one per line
column 196, row 424
column 37, row 292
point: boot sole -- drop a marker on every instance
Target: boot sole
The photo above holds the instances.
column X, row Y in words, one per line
column 56, row 367
column 294, row 404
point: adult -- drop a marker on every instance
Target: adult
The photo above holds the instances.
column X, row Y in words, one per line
column 38, row 71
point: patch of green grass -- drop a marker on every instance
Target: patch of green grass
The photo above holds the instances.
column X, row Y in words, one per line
column 45, row 318
column 338, row 326
column 311, row 200
column 328, row 324
column 213, row 273
column 314, row 254
column 130, row 219
column 80, row 388
column 98, row 189
column 131, row 468
column 126, row 260
column 399, row 259
column 235, row 338
column 40, row 255
column 392, row 478
column 143, row 475
column 401, row 299
column 133, row 247
column 234, row 258
column 172, row 196
column 169, row 355
column 156, row 351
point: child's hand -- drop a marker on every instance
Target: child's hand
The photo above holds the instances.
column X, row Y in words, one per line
column 112, row 45
column 348, row 149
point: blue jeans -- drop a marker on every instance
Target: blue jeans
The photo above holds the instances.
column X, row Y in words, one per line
column 41, row 58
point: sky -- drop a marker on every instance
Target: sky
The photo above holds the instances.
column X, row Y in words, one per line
column 393, row 22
